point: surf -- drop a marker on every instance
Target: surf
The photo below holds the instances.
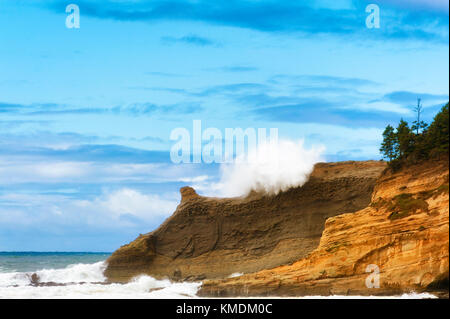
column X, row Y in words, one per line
column 83, row 281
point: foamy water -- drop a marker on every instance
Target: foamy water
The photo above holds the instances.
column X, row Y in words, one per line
column 87, row 281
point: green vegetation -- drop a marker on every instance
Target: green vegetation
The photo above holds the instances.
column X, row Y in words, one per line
column 335, row 246
column 407, row 144
column 405, row 204
column 443, row 189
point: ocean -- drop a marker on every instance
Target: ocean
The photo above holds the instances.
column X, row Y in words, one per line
column 48, row 275
column 76, row 275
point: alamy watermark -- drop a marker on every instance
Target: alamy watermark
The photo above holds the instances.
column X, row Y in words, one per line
column 373, row 280
column 73, row 19
column 373, row 19
column 211, row 146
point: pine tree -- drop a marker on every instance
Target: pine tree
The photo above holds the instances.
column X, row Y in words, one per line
column 405, row 139
column 437, row 135
column 388, row 147
column 409, row 145
column 418, row 124
column 419, row 127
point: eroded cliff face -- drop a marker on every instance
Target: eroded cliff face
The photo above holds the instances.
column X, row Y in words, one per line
column 216, row 237
column 404, row 232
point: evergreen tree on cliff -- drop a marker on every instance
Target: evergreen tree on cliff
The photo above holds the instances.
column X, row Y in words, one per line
column 404, row 138
column 438, row 134
column 388, row 147
column 419, row 142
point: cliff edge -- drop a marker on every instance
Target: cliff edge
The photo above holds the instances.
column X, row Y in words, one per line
column 210, row 238
column 403, row 235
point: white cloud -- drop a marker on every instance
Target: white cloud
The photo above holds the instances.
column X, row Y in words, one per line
column 108, row 210
column 59, row 169
column 131, row 202
column 385, row 107
column 20, row 171
column 196, row 179
column 14, row 171
column 433, row 4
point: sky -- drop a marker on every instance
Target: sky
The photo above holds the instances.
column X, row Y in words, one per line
column 86, row 113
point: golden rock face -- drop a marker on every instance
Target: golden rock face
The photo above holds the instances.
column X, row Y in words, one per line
column 404, row 232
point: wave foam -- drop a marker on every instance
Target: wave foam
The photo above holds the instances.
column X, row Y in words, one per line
column 270, row 168
column 83, row 281
column 87, row 281
column 77, row 273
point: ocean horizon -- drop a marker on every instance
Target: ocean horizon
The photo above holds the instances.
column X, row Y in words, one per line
column 31, row 261
column 5, row 252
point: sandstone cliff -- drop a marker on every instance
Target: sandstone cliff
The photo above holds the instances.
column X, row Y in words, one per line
column 216, row 237
column 404, row 232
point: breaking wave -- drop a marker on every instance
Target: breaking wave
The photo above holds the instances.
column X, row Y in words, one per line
column 88, row 281
column 270, row 168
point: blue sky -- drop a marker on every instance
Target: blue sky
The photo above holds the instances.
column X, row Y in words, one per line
column 86, row 114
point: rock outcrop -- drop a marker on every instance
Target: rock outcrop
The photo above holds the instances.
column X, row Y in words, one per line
column 209, row 238
column 403, row 233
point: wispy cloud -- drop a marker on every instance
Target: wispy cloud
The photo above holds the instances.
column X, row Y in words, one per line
column 399, row 22
column 190, row 39
column 410, row 98
column 322, row 80
column 67, row 150
column 234, row 69
column 233, row 88
column 309, row 98
column 435, row 5
column 322, row 111
column 165, row 74
column 136, row 109
column 9, row 124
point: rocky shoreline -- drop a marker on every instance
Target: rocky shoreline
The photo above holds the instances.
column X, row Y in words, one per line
column 317, row 239
column 403, row 233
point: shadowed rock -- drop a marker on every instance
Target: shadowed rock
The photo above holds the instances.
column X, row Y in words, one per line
column 215, row 237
